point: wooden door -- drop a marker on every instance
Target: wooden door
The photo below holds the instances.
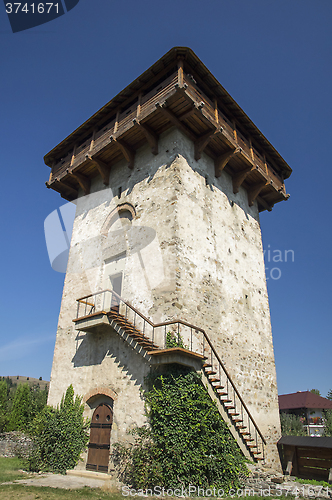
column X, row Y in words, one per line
column 100, row 435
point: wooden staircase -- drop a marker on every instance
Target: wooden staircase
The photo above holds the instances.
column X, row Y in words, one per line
column 132, row 331
column 232, row 412
column 191, row 341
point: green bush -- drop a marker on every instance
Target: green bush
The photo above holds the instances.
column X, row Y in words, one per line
column 20, row 415
column 3, row 405
column 291, row 425
column 187, row 441
column 60, row 435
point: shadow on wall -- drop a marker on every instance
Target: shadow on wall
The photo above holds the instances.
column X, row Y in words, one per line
column 94, row 348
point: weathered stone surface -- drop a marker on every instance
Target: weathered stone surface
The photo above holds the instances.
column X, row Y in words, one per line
column 15, row 444
column 196, row 255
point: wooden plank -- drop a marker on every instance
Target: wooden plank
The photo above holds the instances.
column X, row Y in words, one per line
column 314, row 462
column 315, row 452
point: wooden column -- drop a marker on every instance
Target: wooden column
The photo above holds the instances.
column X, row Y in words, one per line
column 180, row 73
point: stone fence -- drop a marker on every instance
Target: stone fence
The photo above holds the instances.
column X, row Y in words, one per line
column 14, row 444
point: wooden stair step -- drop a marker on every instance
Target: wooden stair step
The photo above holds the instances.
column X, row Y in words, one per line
column 207, row 365
column 214, row 379
column 229, row 407
column 210, row 372
column 234, row 414
column 224, row 394
column 247, row 439
column 218, row 386
column 237, row 420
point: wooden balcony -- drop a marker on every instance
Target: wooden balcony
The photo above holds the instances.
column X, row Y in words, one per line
column 178, row 97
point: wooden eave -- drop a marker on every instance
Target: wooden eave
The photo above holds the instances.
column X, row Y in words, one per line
column 177, row 90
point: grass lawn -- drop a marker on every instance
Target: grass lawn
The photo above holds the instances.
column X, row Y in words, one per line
column 21, row 492
column 9, row 469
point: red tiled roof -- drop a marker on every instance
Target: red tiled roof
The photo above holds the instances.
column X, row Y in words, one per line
column 305, row 399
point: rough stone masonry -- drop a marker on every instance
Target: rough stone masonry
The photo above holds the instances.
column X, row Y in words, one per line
column 203, row 264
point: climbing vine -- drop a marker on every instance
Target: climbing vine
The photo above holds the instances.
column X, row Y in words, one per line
column 187, row 441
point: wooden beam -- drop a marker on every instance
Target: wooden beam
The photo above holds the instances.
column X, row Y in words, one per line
column 254, row 192
column 103, row 168
column 83, row 181
column 127, row 151
column 221, row 161
column 150, row 135
column 264, row 204
column 189, row 113
column 240, row 177
column 62, row 186
column 203, row 141
column 175, row 120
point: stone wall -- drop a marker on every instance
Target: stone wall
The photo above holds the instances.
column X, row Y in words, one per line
column 14, row 444
column 197, row 256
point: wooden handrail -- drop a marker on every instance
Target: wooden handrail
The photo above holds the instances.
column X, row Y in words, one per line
column 196, row 328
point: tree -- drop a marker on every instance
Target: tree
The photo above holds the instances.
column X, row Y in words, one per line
column 60, row 435
column 291, row 425
column 38, row 399
column 315, row 391
column 20, row 415
column 3, row 405
column 329, row 395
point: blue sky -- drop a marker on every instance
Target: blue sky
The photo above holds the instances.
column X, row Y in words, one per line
column 272, row 56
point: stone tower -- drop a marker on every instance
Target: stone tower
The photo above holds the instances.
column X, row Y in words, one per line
column 169, row 178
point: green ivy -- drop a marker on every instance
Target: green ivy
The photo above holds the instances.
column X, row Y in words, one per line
column 60, row 435
column 174, row 340
column 187, row 441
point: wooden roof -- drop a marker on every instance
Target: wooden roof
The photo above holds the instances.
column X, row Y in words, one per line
column 166, row 65
column 305, row 399
column 177, row 91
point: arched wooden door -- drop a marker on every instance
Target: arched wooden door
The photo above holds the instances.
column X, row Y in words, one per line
column 100, row 435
